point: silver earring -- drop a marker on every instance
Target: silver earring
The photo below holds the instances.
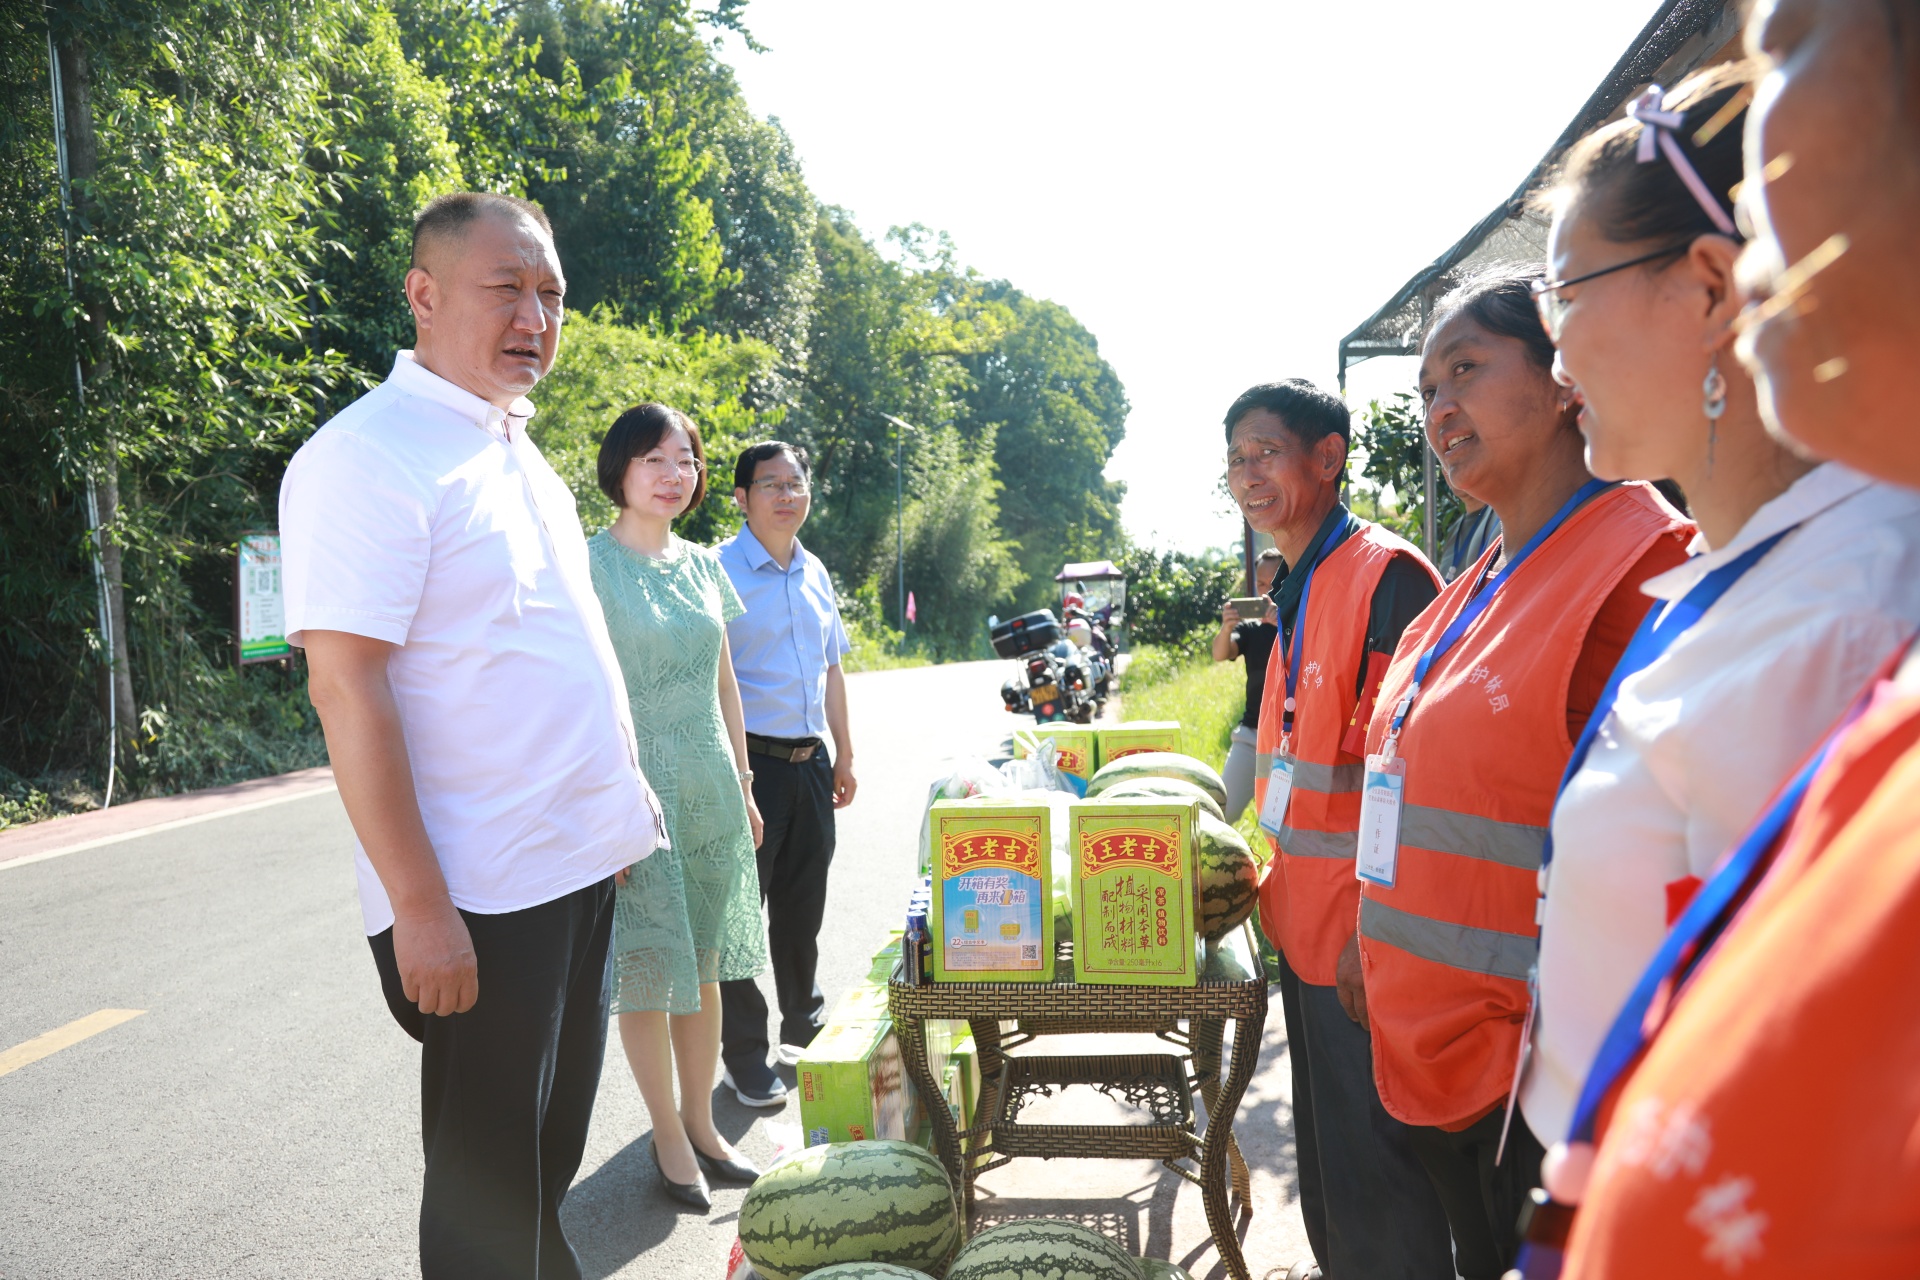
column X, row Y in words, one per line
column 1713, row 403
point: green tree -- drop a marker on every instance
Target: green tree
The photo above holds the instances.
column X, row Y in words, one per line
column 1392, row 436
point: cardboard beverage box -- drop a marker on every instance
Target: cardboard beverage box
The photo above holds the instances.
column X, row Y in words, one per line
column 1136, row 893
column 1074, row 746
column 992, row 915
column 1131, row 737
column 964, row 1063
column 854, row 1086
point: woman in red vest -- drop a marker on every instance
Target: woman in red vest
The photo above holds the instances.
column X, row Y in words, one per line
column 1474, row 724
column 1772, row 1126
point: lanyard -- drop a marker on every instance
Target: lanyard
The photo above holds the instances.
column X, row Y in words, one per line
column 1300, row 625
column 1657, row 634
column 1477, row 604
column 1701, row 924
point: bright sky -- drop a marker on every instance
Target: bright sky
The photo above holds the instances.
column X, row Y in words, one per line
column 1218, row 193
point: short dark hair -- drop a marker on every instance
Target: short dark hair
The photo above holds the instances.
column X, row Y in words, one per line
column 1630, row 202
column 636, row 433
column 1271, row 553
column 754, row 454
column 1499, row 300
column 449, row 216
column 1310, row 413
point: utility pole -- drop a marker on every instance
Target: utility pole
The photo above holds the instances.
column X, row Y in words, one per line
column 70, row 75
column 900, row 429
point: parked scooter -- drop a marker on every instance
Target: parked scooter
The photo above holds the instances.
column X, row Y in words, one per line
column 1061, row 679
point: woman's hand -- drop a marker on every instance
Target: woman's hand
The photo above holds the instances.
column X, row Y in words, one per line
column 754, row 820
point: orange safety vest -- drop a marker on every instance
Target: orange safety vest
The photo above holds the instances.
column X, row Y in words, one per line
column 1772, row 1129
column 1309, row 895
column 1446, row 951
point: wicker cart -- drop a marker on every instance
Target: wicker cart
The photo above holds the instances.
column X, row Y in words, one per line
column 1191, row 1019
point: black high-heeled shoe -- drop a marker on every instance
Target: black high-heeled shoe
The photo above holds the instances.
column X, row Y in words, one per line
column 692, row 1194
column 732, row 1169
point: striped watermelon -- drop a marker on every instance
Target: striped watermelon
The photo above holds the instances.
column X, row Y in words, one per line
column 1164, row 789
column 876, row 1201
column 867, row 1271
column 1043, row 1249
column 1154, row 1269
column 1229, row 877
column 1160, row 764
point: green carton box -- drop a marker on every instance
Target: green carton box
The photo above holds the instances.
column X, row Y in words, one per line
column 854, row 1086
column 1136, row 893
column 1131, row 737
column 992, row 891
column 1075, row 747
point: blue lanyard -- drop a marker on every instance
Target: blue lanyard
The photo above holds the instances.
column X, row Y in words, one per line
column 1657, row 633
column 1300, row 624
column 1698, row 926
column 1483, row 596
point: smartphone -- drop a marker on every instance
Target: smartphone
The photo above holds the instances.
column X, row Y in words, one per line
column 1250, row 608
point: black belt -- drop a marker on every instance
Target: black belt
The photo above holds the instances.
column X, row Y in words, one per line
column 792, row 750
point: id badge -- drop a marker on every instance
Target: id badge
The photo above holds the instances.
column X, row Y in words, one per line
column 1379, row 853
column 1273, row 814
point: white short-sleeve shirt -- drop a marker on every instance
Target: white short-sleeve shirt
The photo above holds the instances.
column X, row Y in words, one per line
column 423, row 516
column 1701, row 738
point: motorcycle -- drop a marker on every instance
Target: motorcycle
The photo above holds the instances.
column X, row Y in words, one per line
column 1061, row 678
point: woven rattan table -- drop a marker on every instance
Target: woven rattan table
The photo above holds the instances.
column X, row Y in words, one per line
column 1161, row 1083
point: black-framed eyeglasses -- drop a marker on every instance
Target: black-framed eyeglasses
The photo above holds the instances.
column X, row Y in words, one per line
column 1553, row 308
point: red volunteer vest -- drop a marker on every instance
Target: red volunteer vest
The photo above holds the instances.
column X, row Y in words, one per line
column 1309, row 895
column 1805, row 1018
column 1447, row 950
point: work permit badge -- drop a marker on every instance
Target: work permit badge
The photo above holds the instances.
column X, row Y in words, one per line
column 1380, row 796
column 1273, row 814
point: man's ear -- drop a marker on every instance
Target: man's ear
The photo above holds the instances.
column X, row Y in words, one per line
column 420, row 297
column 1331, row 452
column 740, row 500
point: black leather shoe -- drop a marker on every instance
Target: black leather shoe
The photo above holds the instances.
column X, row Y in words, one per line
column 733, row 1170
column 692, row 1194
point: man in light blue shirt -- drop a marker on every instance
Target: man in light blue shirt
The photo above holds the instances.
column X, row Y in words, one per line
column 786, row 651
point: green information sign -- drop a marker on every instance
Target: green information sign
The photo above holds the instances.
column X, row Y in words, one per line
column 260, row 621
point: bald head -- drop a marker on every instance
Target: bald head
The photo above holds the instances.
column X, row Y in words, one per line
column 444, row 223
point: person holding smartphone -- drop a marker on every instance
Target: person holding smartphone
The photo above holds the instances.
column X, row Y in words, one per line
column 1247, row 629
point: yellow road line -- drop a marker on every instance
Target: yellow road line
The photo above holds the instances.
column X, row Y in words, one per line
column 64, row 1037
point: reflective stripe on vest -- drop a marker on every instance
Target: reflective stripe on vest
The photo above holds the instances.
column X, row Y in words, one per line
column 1501, row 955
column 1309, row 899
column 1447, row 948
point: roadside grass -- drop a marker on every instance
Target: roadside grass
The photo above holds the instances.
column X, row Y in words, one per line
column 1206, row 697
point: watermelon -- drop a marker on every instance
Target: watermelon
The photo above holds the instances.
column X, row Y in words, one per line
column 875, row 1201
column 1154, row 1269
column 867, row 1271
column 1160, row 764
column 1043, row 1249
column 1167, row 789
column 1229, row 878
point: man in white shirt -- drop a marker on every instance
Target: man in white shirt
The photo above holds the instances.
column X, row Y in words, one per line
column 437, row 577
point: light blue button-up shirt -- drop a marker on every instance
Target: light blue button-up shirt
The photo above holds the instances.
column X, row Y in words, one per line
column 785, row 641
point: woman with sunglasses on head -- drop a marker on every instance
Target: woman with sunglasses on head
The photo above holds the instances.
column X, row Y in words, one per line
column 687, row 918
column 1759, row 1096
column 1479, row 711
column 1805, row 575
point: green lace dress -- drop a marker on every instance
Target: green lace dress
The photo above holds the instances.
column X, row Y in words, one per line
column 690, row 913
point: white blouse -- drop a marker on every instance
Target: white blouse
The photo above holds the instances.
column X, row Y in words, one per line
column 1699, row 741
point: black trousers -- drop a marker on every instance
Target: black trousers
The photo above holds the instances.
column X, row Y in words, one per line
column 1306, row 1137
column 1382, row 1219
column 1482, row 1199
column 796, row 803
column 507, row 1088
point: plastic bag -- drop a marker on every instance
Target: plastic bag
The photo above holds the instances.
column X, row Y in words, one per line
column 1037, row 776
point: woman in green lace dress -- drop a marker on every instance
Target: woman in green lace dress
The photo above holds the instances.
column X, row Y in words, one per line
column 687, row 918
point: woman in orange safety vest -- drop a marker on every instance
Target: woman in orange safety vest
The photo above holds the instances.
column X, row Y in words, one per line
column 1473, row 726
column 1772, row 1126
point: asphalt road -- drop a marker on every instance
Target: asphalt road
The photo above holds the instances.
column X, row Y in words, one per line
column 259, row 1117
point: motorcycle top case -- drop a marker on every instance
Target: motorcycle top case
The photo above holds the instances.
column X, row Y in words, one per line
column 1026, row 633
